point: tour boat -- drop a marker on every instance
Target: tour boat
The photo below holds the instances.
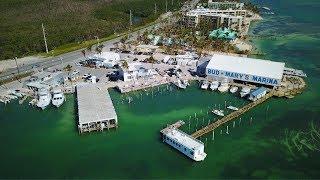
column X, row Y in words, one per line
column 205, row 85
column 44, row 98
column 214, row 85
column 58, row 98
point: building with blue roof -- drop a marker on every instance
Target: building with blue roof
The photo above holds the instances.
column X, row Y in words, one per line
column 258, row 93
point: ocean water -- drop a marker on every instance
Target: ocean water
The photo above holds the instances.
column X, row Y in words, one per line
column 279, row 142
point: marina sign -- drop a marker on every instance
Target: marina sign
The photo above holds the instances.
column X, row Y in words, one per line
column 242, row 77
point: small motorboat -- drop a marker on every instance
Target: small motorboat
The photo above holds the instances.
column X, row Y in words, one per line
column 233, row 108
column 223, row 87
column 245, row 91
column 214, row 85
column 205, row 85
column 180, row 84
column 218, row 112
column 233, row 89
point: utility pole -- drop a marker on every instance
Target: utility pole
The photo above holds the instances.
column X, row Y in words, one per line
column 44, row 38
column 166, row 5
column 130, row 18
column 155, row 8
column 15, row 59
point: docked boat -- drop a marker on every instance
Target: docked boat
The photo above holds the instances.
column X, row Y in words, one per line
column 233, row 89
column 58, row 98
column 44, row 98
column 214, row 85
column 205, row 85
column 223, row 87
column 218, row 112
column 233, row 108
column 245, row 91
column 186, row 82
column 266, row 8
column 180, row 84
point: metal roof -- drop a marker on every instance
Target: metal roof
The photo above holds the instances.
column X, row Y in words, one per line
column 94, row 104
column 249, row 66
column 258, row 91
column 184, row 139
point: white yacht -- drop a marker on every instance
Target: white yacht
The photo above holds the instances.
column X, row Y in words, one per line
column 205, row 85
column 44, row 98
column 233, row 108
column 218, row 112
column 233, row 89
column 245, row 91
column 214, row 85
column 223, row 87
column 58, row 98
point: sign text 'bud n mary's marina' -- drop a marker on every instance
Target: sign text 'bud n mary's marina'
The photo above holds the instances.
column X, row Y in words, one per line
column 246, row 69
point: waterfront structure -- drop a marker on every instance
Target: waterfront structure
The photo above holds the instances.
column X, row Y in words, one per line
column 225, row 5
column 135, row 71
column 105, row 59
column 95, row 109
column 258, row 93
column 215, row 18
column 184, row 143
column 245, row 69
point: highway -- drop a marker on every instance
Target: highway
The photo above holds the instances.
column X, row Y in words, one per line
column 63, row 58
column 76, row 55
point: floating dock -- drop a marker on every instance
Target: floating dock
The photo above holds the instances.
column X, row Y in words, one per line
column 95, row 108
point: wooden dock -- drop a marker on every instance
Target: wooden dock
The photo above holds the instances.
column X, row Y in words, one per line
column 176, row 125
column 231, row 116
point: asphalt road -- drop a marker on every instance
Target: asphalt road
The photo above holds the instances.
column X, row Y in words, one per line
column 72, row 56
column 61, row 59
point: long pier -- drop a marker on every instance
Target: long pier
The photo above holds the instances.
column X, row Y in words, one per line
column 231, row 116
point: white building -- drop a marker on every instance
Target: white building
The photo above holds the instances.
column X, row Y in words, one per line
column 245, row 69
column 225, row 5
column 106, row 59
column 229, row 18
column 186, row 144
column 135, row 71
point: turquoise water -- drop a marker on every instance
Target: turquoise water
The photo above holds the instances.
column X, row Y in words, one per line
column 45, row 144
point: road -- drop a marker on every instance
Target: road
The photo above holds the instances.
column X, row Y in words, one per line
column 63, row 58
column 75, row 55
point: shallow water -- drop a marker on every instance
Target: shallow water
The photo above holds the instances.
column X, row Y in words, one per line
column 39, row 144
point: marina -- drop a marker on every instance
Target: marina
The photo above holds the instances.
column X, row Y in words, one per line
column 237, row 101
column 95, row 109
